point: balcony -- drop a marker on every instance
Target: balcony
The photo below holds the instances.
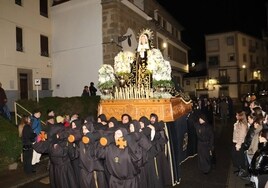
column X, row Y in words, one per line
column 224, row 79
column 252, row 49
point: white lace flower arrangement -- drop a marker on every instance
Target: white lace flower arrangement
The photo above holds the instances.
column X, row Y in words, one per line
column 122, row 63
column 160, row 69
column 106, row 77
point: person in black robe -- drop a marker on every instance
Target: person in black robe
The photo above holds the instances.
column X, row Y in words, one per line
column 125, row 121
column 112, row 125
column 91, row 168
column 142, row 143
column 61, row 173
column 121, row 161
column 76, row 127
column 101, row 123
column 150, row 167
column 144, row 122
column 205, row 144
column 28, row 138
column 162, row 157
column 160, row 141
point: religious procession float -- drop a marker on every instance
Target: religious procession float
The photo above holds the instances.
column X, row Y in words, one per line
column 140, row 84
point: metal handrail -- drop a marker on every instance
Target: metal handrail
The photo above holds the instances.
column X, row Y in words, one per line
column 18, row 115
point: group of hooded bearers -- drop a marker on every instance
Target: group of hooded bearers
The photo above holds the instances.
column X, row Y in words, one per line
column 107, row 153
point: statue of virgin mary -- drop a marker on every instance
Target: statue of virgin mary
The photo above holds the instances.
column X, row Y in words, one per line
column 141, row 77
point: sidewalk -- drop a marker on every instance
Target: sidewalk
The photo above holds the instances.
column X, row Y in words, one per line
column 17, row 178
column 235, row 181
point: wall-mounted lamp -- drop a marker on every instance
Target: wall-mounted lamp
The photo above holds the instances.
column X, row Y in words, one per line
column 164, row 45
column 211, row 84
column 245, row 72
column 123, row 38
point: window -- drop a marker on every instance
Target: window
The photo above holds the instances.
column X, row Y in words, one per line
column 250, row 43
column 223, row 77
column 164, row 24
column 159, row 19
column 43, row 8
column 230, row 40
column 18, row 2
column 45, row 83
column 222, row 73
column 213, row 60
column 244, row 41
column 231, row 57
column 176, row 54
column 160, row 43
column 19, row 44
column 212, row 45
column 44, row 45
column 257, row 45
column 244, row 57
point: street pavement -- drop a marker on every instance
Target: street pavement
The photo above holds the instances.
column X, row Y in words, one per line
column 221, row 176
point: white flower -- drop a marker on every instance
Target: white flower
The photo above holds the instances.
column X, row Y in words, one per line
column 106, row 74
column 122, row 62
column 159, row 67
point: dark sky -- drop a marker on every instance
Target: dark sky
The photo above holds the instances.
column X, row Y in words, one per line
column 214, row 16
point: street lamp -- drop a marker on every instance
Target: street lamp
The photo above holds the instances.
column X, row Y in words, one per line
column 245, row 72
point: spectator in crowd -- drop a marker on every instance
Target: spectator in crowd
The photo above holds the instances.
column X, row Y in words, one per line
column 23, row 122
column 239, row 133
column 254, row 143
column 259, row 164
column 92, row 89
column 254, row 105
column 50, row 120
column 37, row 127
column 67, row 120
column 85, row 92
column 3, row 107
column 28, row 138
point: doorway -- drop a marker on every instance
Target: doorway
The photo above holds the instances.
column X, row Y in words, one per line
column 23, row 86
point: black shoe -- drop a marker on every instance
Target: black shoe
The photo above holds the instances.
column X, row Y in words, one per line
column 33, row 168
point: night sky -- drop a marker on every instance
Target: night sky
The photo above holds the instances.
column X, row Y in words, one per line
column 215, row 16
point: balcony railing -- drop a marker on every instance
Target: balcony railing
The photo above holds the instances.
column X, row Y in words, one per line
column 224, row 79
column 252, row 49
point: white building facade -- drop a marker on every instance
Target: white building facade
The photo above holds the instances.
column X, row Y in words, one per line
column 25, row 45
column 236, row 62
